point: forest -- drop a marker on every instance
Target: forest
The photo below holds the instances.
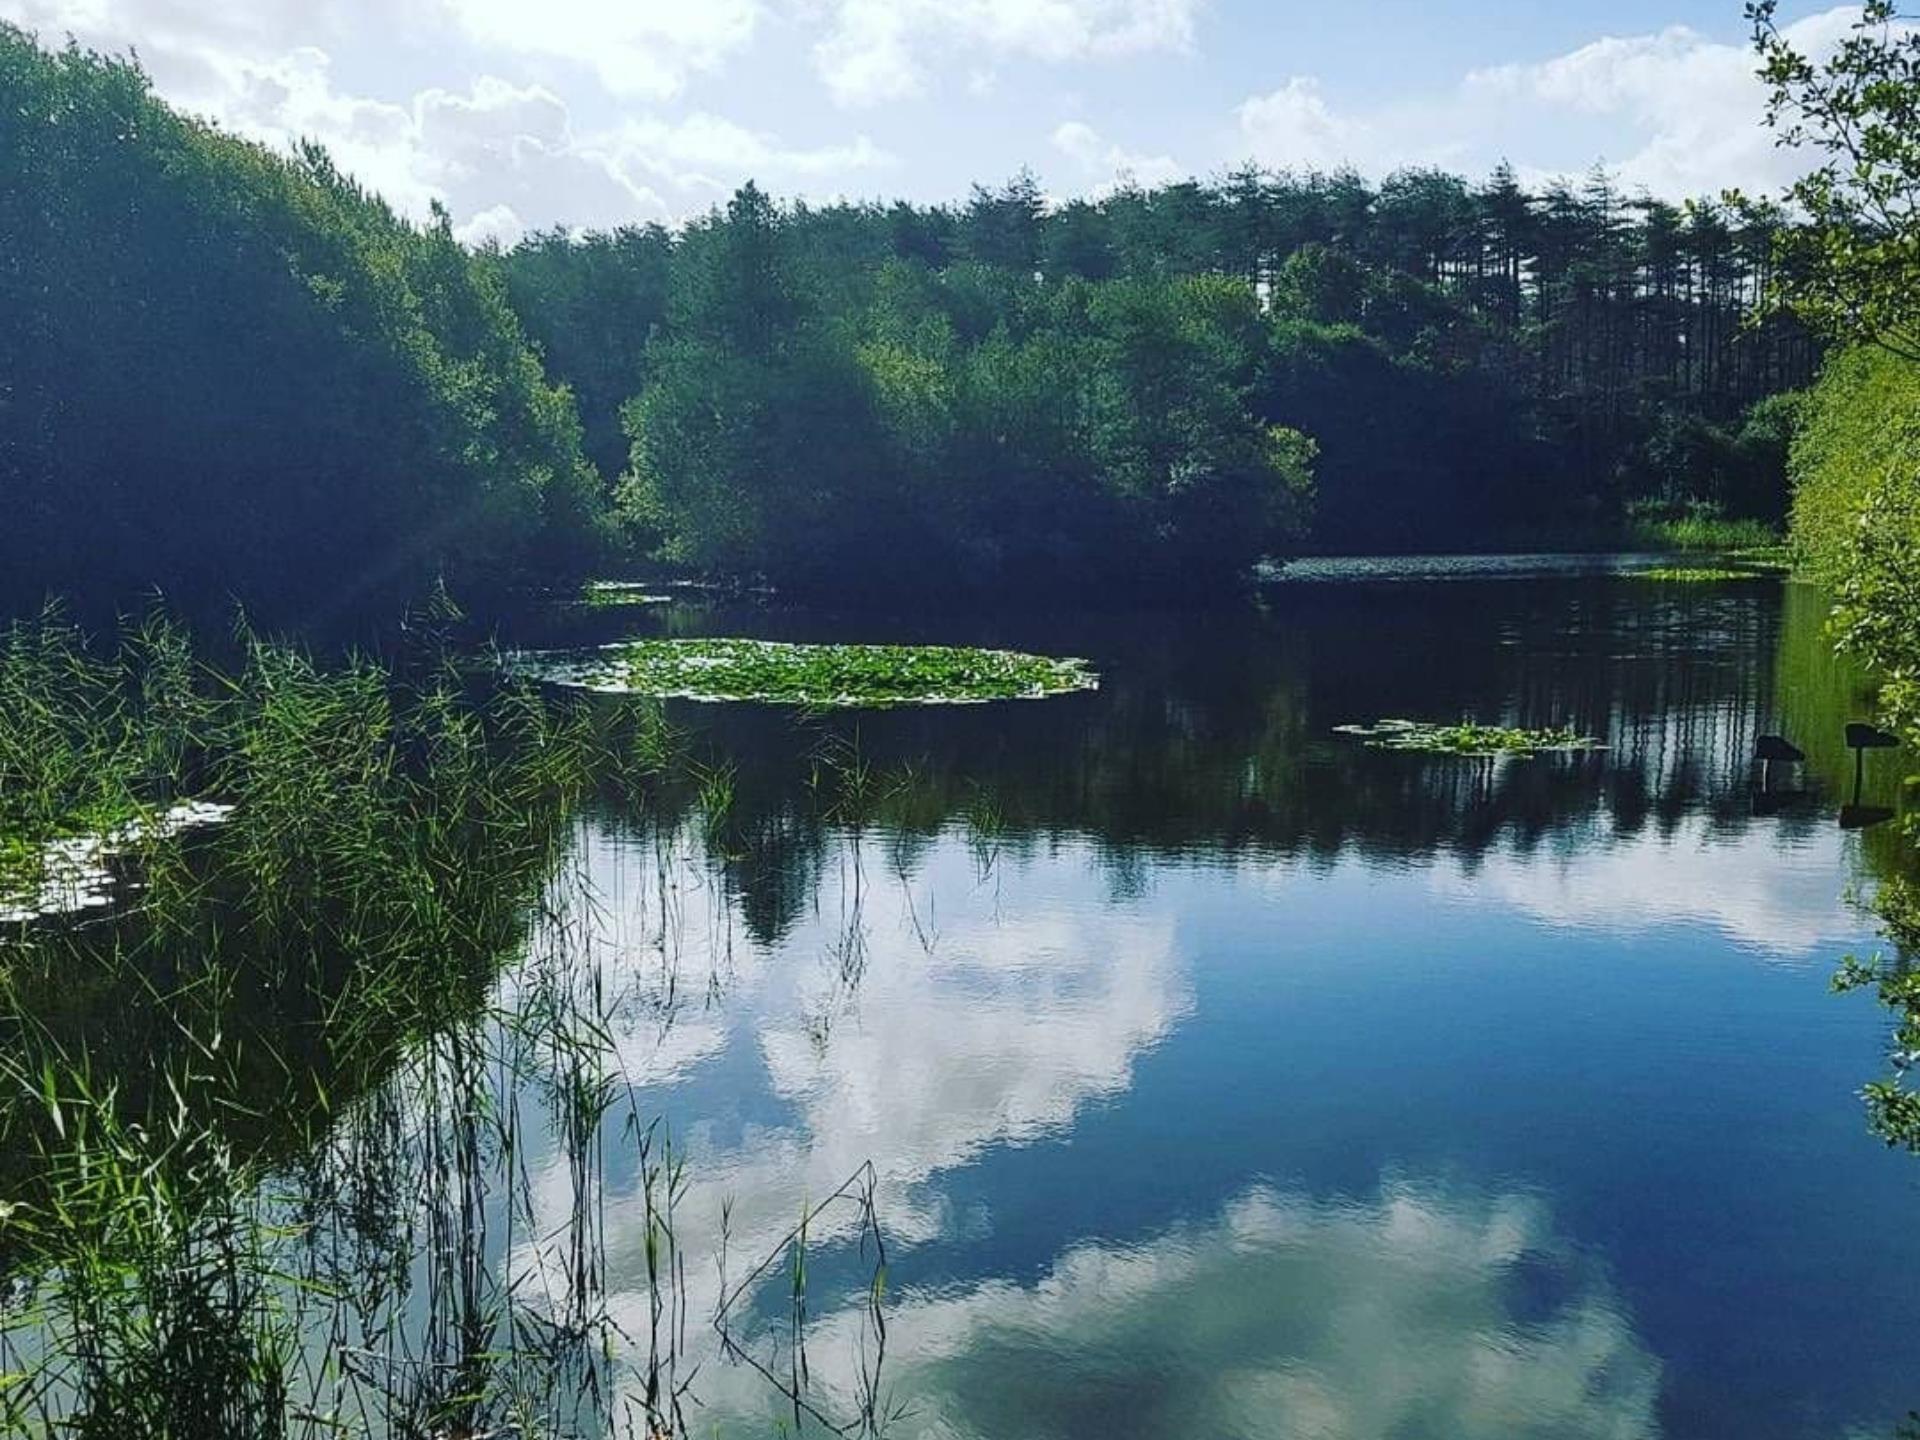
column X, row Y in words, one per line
column 239, row 377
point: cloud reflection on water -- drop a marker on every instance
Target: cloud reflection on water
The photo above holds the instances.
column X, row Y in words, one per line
column 1781, row 899
column 1422, row 1311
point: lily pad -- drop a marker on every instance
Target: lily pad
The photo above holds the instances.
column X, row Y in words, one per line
column 1467, row 737
column 776, row 672
column 620, row 594
column 1700, row 574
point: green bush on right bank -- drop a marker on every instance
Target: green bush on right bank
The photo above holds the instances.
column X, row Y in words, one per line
column 1856, row 514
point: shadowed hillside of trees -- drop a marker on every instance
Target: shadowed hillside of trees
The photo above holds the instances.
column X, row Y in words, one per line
column 235, row 375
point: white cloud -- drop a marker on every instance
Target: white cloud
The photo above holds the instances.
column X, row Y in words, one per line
column 997, row 1032
column 491, row 150
column 574, row 111
column 1293, row 127
column 496, row 225
column 502, row 155
column 876, row 50
column 1688, row 110
column 636, row 47
column 1779, row 900
column 706, row 151
column 1673, row 111
column 1111, row 166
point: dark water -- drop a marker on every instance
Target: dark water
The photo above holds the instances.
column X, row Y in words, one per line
column 1222, row 1077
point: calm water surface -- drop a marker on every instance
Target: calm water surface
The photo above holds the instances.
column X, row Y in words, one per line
column 1221, row 1077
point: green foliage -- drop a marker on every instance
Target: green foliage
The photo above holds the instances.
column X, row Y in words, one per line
column 833, row 675
column 1410, row 457
column 256, row 1020
column 1003, row 396
column 1854, row 273
column 1698, row 528
column 1690, row 465
column 1893, row 1108
column 959, row 432
column 1856, row 527
column 231, row 373
column 591, row 303
column 1469, row 738
column 1856, row 515
column 1860, row 436
column 1852, row 267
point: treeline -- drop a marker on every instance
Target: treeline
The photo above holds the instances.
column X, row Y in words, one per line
column 1473, row 364
column 234, row 375
column 229, row 374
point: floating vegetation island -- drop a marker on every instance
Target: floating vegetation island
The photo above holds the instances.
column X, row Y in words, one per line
column 776, row 672
column 620, row 594
column 1702, row 574
column 1468, row 738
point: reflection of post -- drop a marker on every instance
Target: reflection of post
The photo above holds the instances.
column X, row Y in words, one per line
column 1860, row 739
column 1770, row 750
column 1863, row 817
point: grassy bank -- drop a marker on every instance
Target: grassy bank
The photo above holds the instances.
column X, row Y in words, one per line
column 1700, row 532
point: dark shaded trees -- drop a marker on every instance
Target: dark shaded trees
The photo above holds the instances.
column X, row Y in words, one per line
column 231, row 374
column 591, row 304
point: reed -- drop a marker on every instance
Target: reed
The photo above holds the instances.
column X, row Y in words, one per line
column 262, row 1121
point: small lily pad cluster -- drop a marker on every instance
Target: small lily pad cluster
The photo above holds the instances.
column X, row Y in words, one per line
column 1469, row 738
column 777, row 672
column 620, row 594
column 1701, row 574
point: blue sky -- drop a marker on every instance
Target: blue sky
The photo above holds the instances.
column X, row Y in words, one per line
column 530, row 113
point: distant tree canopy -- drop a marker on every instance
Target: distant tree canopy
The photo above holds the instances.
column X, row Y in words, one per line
column 230, row 374
column 1008, row 390
column 958, row 428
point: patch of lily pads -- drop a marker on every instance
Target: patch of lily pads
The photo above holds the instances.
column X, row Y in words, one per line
column 1468, row 738
column 837, row 676
column 1701, row 574
column 620, row 595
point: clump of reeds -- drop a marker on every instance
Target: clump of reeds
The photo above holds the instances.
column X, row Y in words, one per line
column 386, row 851
column 263, row 1146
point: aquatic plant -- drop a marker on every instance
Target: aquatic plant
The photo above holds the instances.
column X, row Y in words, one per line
column 96, row 749
column 621, row 594
column 1701, row 529
column 262, row 1128
column 1698, row 574
column 1777, row 559
column 778, row 672
column 1469, row 738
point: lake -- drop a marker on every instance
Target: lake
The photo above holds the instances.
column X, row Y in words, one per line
column 1150, row 1060
column 1203, row 1071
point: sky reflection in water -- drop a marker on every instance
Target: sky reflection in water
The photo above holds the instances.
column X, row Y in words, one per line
column 1221, row 1078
